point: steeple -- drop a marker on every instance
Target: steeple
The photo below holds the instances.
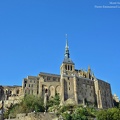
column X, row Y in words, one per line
column 67, row 66
column 67, row 54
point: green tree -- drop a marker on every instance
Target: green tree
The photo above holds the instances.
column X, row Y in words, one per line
column 29, row 103
column 53, row 100
column 109, row 114
column 80, row 114
column 67, row 116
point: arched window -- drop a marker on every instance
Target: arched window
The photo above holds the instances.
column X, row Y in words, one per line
column 46, row 90
column 65, row 67
column 10, row 92
column 17, row 92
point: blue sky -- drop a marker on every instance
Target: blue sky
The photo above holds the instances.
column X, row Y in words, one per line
column 32, row 38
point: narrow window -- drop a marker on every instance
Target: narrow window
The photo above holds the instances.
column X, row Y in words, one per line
column 71, row 67
column 65, row 67
column 10, row 92
column 68, row 67
column 25, row 81
column 17, row 92
column 46, row 90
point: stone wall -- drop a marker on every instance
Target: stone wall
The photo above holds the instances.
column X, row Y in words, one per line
column 36, row 116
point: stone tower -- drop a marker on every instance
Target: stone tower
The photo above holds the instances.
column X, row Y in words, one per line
column 67, row 66
column 68, row 79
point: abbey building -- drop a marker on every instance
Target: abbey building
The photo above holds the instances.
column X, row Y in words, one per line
column 77, row 86
column 73, row 86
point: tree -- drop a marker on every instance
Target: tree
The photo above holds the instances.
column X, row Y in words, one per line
column 67, row 116
column 54, row 102
column 29, row 103
column 109, row 114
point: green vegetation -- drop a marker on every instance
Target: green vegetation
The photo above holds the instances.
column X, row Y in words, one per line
column 29, row 104
column 71, row 112
column 53, row 101
column 88, row 113
column 109, row 114
column 32, row 103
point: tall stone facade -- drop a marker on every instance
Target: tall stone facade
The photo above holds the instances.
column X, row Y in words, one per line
column 75, row 86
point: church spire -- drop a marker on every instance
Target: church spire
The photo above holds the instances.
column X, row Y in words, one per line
column 67, row 54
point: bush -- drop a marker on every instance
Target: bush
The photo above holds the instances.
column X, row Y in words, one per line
column 109, row 114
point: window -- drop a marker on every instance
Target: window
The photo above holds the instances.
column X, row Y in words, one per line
column 17, row 92
column 65, row 67
column 46, row 90
column 10, row 92
column 25, row 81
column 54, row 79
column 69, row 88
column 48, row 78
column 68, row 67
column 71, row 67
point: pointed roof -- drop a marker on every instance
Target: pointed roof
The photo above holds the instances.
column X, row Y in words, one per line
column 67, row 54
